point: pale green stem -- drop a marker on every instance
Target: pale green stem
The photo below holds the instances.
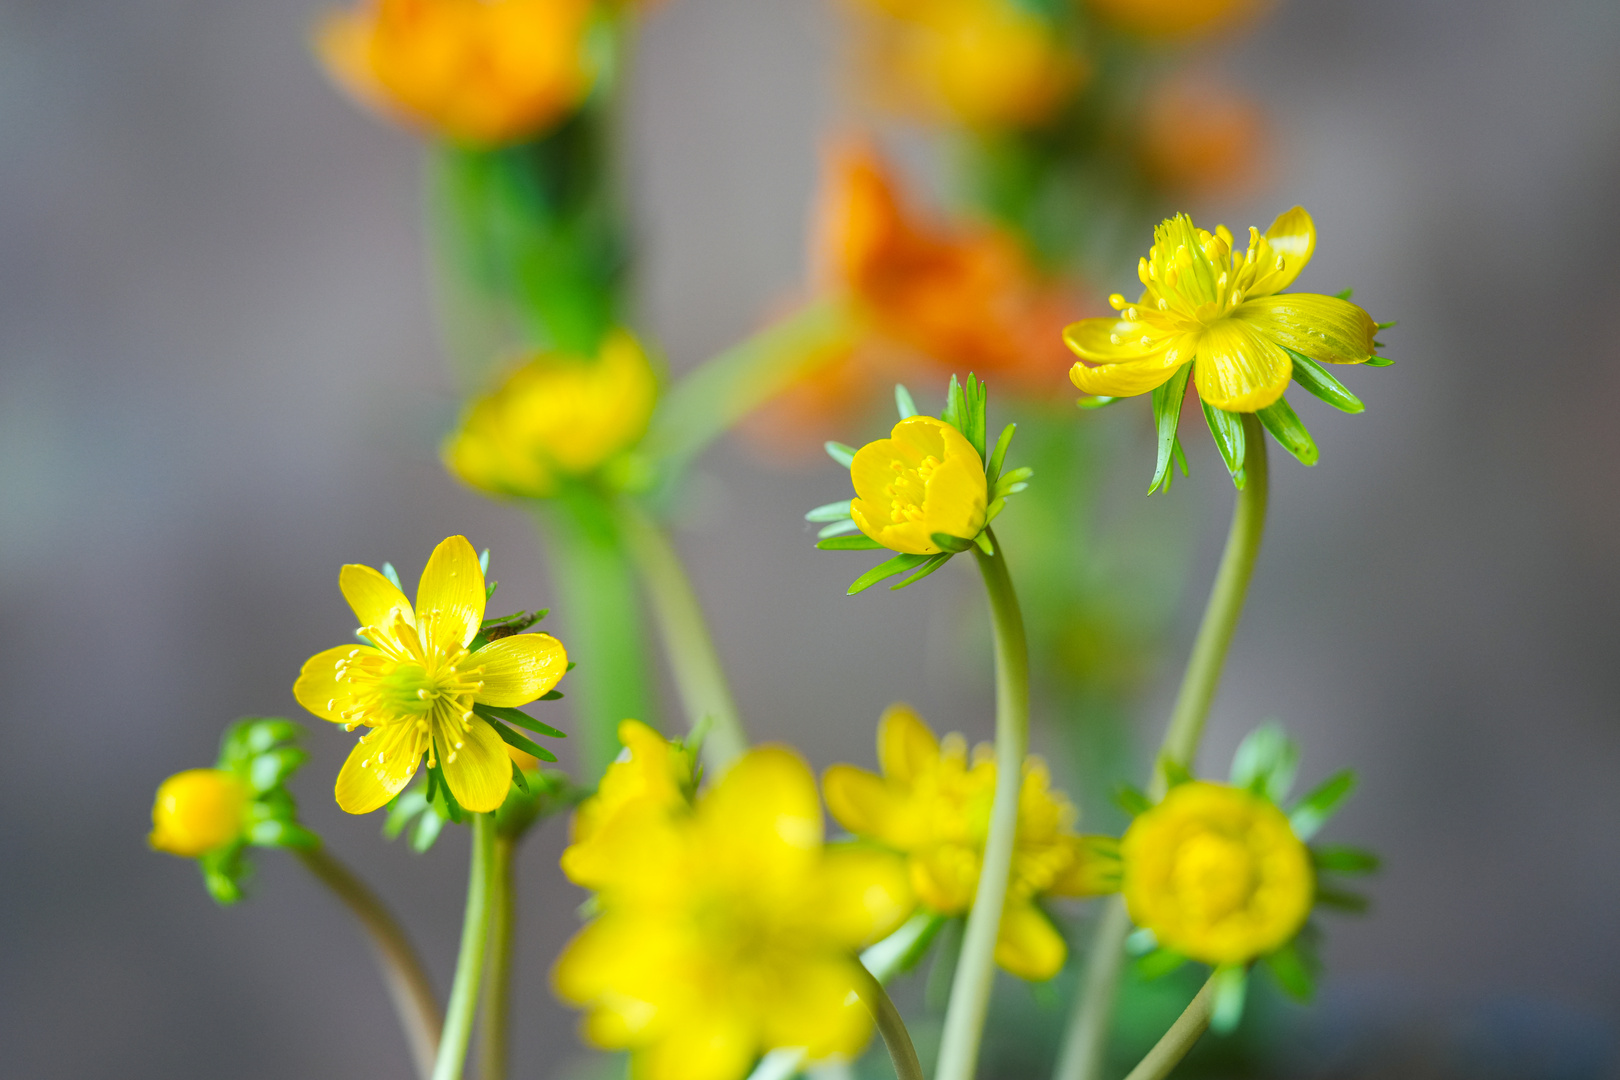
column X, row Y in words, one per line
column 699, row 678
column 493, row 1017
column 1173, row 1046
column 1087, row 1038
column 458, row 1020
column 976, row 967
column 408, row 985
column 890, row 1026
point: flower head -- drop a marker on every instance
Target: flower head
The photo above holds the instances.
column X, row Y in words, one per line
column 1217, row 873
column 478, row 72
column 198, row 811
column 651, row 771
column 925, row 478
column 415, row 682
column 932, row 804
column 727, row 929
column 1174, row 19
column 554, row 418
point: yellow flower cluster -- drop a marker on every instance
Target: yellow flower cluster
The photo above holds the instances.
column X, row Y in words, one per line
column 932, row 804
column 725, row 928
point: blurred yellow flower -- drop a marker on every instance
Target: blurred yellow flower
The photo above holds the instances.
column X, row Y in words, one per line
column 553, row 418
column 729, row 930
column 198, row 811
column 1174, row 19
column 1205, row 304
column 926, row 478
column 933, row 805
column 650, row 771
column 1217, row 874
column 477, row 72
column 414, row 685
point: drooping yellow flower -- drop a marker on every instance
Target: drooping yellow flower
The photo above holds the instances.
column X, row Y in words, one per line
column 933, row 805
column 555, row 417
column 728, row 930
column 1222, row 311
column 478, row 72
column 1217, row 874
column 415, row 684
column 925, row 478
column 198, row 811
column 1174, row 19
column 650, row 771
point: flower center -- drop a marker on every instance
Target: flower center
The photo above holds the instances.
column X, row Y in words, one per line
column 400, row 681
column 1213, row 876
column 909, row 488
column 1191, row 278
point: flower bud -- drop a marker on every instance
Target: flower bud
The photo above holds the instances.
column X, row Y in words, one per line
column 926, row 478
column 197, row 811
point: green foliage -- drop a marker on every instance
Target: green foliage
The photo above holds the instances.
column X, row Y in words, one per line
column 1316, row 380
column 1227, row 430
column 964, row 410
column 1314, row 810
column 903, row 403
column 1290, row 967
column 844, row 455
column 1265, row 762
column 263, row 753
column 1167, row 399
column 887, row 569
column 1231, row 986
column 1289, row 430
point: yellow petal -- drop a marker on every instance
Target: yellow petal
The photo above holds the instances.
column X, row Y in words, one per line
column 945, row 877
column 858, row 800
column 520, row 668
column 907, row 748
column 912, row 538
column 479, row 772
column 706, row 1045
column 1128, row 378
column 1093, row 868
column 1289, row 242
column 374, row 598
column 865, row 895
column 1239, row 370
column 817, row 1009
column 957, row 495
column 379, row 768
column 450, row 596
column 319, row 689
column 1093, row 340
column 1324, row 328
column 1028, row 945
column 763, row 819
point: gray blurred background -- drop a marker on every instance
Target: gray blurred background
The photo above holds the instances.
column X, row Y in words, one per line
column 220, row 379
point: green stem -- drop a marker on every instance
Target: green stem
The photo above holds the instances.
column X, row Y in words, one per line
column 408, row 985
column 470, row 962
column 493, row 1017
column 1087, row 1039
column 1173, row 1046
column 976, row 967
column 890, row 1026
column 699, row 677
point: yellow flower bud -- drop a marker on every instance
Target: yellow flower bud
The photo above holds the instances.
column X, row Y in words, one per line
column 553, row 418
column 1217, row 874
column 926, row 478
column 990, row 63
column 197, row 811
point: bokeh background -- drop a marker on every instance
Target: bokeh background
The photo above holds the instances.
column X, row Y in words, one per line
column 220, row 378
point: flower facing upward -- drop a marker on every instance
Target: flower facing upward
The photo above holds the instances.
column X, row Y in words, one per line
column 933, row 805
column 415, row 682
column 1216, row 873
column 926, row 478
column 727, row 929
column 1222, row 311
column 553, row 418
column 198, row 811
column 479, row 72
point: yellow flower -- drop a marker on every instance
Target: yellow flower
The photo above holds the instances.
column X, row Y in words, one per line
column 1220, row 311
column 729, row 930
column 1174, row 19
column 553, row 418
column 926, row 478
column 651, row 770
column 1217, row 874
column 479, row 72
column 414, row 685
column 933, row 805
column 198, row 811
column 989, row 63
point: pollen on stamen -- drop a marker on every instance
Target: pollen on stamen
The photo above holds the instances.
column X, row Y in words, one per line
column 1116, row 301
column 451, row 760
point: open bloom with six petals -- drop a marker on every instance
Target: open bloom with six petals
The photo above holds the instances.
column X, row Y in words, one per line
column 932, row 803
column 926, row 478
column 414, row 683
column 1223, row 311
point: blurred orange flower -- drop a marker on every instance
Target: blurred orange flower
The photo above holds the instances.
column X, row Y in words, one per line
column 477, row 72
column 1200, row 137
column 1174, row 19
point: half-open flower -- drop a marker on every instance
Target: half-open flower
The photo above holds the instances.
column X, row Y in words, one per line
column 924, row 479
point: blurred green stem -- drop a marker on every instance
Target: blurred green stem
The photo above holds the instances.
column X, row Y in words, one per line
column 1087, row 1040
column 493, row 1018
column 976, row 967
column 458, row 1020
column 1173, row 1046
column 408, row 985
column 890, row 1026
column 699, row 677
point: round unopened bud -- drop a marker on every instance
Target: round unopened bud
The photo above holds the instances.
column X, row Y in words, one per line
column 197, row 811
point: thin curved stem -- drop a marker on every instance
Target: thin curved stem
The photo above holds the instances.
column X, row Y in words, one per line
column 470, row 962
column 409, row 987
column 1173, row 1046
column 1087, row 1038
column 699, row 677
column 493, row 1018
column 890, row 1026
column 976, row 967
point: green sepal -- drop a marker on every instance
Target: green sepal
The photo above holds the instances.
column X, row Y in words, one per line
column 982, row 542
column 392, row 575
column 483, row 562
column 903, row 403
column 838, row 528
column 904, row 949
column 896, row 565
column 862, row 542
column 1140, row 942
column 1265, row 762
column 1289, row 967
column 1167, row 399
column 834, row 511
column 1343, row 859
column 1132, row 800
column 1345, row 295
column 267, row 771
column 1385, row 325
column 224, row 873
column 1231, row 984
column 509, row 715
column 1289, row 431
column 1159, row 963
column 534, row 797
column 964, row 410
column 844, row 455
column 934, row 563
column 1175, row 773
column 1377, row 361
column 953, row 544
column 1342, row 899
column 1227, row 431
column 1096, row 402
column 551, row 695
column 1314, row 810
column 998, row 456
column 1012, row 483
column 275, row 832
column 527, row 745
column 518, row 779
column 1319, row 382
